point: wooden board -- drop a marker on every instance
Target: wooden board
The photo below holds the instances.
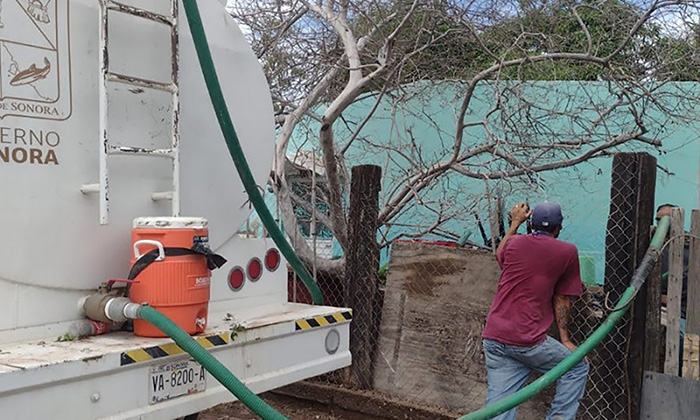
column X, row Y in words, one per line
column 435, row 306
column 670, row 398
column 693, row 312
column 691, row 350
column 675, row 282
column 691, row 356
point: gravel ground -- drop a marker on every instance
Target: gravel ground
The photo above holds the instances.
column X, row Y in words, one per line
column 294, row 408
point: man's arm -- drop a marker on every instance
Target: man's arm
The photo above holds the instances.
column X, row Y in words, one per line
column 520, row 213
column 562, row 309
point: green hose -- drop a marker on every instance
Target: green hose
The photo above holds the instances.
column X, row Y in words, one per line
column 234, row 148
column 209, row 362
column 593, row 340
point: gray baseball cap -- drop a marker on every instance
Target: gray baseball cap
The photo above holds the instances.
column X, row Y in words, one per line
column 546, row 215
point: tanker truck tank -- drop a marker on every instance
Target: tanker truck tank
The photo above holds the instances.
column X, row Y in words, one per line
column 105, row 118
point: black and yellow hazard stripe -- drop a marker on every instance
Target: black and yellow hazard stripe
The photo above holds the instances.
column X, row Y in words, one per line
column 322, row 321
column 171, row 349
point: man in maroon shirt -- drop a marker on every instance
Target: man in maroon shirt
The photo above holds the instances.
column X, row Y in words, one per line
column 539, row 275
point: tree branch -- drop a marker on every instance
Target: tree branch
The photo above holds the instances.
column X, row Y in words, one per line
column 589, row 154
column 288, row 24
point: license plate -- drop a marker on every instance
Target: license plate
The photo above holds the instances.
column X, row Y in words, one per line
column 171, row 380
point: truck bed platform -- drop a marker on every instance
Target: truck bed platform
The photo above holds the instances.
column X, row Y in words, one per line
column 85, row 379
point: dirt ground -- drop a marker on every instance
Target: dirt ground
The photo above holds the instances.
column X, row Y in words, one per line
column 294, row 408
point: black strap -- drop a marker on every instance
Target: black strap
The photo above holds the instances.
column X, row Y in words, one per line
column 214, row 261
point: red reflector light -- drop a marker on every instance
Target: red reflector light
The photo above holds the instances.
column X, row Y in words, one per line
column 255, row 269
column 236, row 278
column 272, row 259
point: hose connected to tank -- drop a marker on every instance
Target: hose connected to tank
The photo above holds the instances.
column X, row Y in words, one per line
column 111, row 308
column 210, row 363
column 122, row 308
column 234, row 147
column 638, row 278
column 163, row 323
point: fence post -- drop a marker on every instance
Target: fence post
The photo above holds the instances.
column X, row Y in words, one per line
column 644, row 216
column 361, row 272
column 620, row 373
column 675, row 283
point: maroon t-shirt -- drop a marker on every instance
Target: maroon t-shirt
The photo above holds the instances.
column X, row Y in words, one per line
column 534, row 268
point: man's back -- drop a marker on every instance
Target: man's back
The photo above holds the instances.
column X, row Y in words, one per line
column 534, row 269
column 539, row 274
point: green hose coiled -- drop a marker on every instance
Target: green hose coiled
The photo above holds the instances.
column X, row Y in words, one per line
column 209, row 362
column 591, row 342
column 234, row 146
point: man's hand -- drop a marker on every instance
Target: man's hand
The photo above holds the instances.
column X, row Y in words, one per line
column 520, row 213
column 572, row 347
column 569, row 345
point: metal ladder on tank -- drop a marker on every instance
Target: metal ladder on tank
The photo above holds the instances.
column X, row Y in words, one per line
column 106, row 76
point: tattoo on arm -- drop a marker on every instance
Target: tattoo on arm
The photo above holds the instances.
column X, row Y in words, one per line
column 562, row 310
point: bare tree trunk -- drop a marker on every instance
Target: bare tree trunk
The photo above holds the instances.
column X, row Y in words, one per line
column 361, row 270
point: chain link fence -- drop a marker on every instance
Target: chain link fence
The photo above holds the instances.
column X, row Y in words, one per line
column 607, row 392
column 433, row 296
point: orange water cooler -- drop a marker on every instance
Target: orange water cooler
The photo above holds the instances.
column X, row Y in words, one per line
column 171, row 271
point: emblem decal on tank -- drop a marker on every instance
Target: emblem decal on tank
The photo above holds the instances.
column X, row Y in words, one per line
column 35, row 79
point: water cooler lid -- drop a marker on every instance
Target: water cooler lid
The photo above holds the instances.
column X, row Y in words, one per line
column 170, row 223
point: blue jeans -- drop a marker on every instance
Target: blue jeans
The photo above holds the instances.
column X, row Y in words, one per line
column 509, row 367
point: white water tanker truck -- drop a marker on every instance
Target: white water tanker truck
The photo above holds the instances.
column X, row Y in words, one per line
column 110, row 152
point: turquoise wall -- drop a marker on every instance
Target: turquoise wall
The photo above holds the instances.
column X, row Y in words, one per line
column 422, row 126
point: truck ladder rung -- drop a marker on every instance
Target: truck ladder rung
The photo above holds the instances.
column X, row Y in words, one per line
column 135, row 11
column 139, row 151
column 139, row 82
